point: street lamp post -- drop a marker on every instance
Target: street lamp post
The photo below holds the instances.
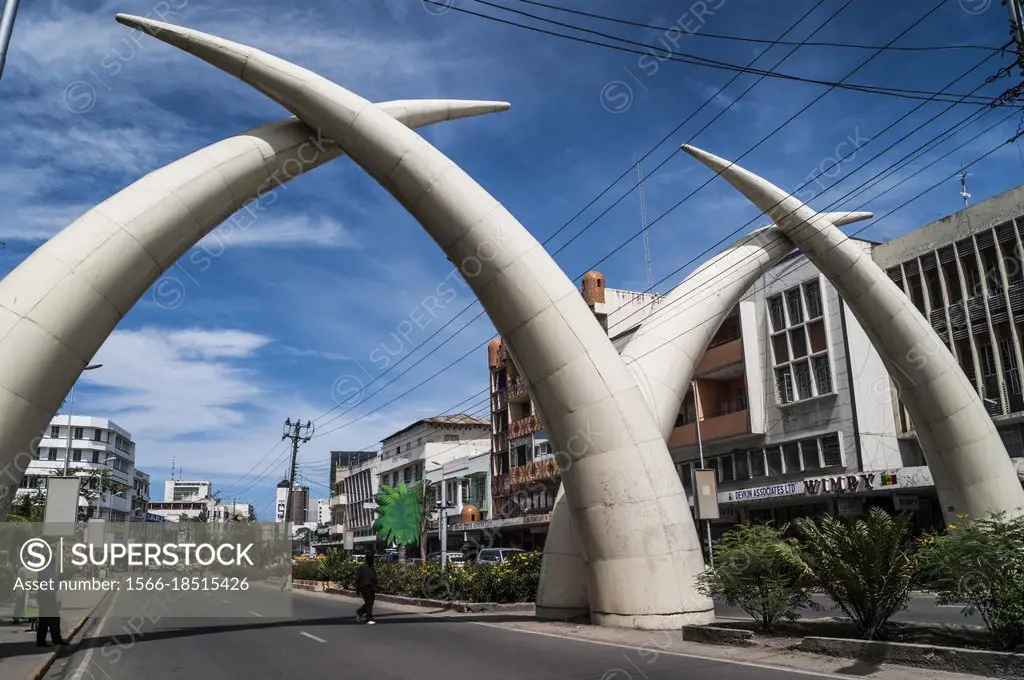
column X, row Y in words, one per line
column 71, row 407
column 442, row 519
column 700, row 448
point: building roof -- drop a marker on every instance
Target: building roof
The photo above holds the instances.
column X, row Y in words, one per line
column 454, row 420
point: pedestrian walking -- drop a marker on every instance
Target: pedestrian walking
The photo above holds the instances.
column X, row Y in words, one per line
column 49, row 609
column 366, row 586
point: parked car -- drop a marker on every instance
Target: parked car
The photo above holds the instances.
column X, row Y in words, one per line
column 454, row 558
column 496, row 555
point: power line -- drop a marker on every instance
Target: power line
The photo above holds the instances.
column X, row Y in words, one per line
column 707, row 34
column 771, row 134
column 882, row 173
column 664, row 139
column 694, row 60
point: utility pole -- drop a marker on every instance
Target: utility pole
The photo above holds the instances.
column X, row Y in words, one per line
column 1016, row 21
column 299, row 434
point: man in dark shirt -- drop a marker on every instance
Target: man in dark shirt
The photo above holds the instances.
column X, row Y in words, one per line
column 49, row 609
column 366, row 586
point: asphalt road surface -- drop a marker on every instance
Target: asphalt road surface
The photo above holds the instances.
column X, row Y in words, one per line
column 920, row 609
column 322, row 640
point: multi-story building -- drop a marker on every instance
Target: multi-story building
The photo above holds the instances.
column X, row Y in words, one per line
column 92, row 447
column 299, row 500
column 793, row 409
column 464, row 491
column 360, row 483
column 187, row 490
column 965, row 274
column 525, row 479
column 341, row 462
column 346, row 459
column 140, row 495
column 320, row 511
column 234, row 511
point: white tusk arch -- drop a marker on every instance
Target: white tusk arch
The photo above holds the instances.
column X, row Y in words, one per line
column 627, row 501
column 971, row 470
column 60, row 304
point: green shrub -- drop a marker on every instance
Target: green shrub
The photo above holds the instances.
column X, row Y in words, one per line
column 512, row 581
column 980, row 565
column 866, row 565
column 752, row 571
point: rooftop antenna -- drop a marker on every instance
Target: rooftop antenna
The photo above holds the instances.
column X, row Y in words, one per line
column 643, row 225
column 172, row 468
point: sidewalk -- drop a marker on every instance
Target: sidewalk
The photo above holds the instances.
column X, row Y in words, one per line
column 20, row 659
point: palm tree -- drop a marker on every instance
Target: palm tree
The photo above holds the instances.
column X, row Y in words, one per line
column 402, row 516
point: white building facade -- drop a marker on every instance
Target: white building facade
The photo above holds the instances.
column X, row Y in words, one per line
column 361, row 485
column 92, row 446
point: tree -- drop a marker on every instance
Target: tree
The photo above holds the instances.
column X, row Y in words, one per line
column 866, row 565
column 203, row 516
column 752, row 570
column 980, row 565
column 402, row 514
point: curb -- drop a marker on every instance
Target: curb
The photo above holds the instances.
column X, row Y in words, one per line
column 718, row 636
column 47, row 663
column 461, row 607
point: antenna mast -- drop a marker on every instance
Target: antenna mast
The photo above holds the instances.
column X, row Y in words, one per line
column 963, row 187
column 643, row 225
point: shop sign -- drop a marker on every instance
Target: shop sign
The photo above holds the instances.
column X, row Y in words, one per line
column 758, row 492
column 844, row 484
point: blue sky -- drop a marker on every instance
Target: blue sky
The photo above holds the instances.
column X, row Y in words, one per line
column 282, row 319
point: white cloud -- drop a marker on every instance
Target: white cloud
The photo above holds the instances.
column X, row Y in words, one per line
column 286, row 230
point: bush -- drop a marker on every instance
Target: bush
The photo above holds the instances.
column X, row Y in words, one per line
column 752, row 571
column 980, row 565
column 512, row 581
column 866, row 565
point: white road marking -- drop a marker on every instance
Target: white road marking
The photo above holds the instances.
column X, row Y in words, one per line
column 255, row 613
column 771, row 667
column 226, row 601
column 311, row 637
column 80, row 671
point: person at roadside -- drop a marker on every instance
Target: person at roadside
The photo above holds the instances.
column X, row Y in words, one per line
column 366, row 586
column 49, row 609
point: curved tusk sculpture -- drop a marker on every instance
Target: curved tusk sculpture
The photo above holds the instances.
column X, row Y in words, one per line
column 662, row 356
column 60, row 304
column 627, row 501
column 967, row 459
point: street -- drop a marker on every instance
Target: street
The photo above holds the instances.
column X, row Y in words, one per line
column 920, row 609
column 322, row 639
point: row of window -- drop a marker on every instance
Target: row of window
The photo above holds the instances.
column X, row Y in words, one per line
column 419, row 442
column 95, row 434
column 790, row 458
column 82, row 456
column 799, row 344
column 519, row 453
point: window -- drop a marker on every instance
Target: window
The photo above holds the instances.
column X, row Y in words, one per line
column 685, row 476
column 809, row 453
column 95, row 456
column 55, row 431
column 793, row 306
column 830, row 450
column 803, row 380
column 52, row 454
column 742, row 466
column 791, row 457
column 800, row 345
column 76, row 455
column 778, row 316
column 726, row 469
column 812, row 296
column 757, row 467
column 784, row 384
column 451, row 438
column 822, row 374
column 79, row 433
column 97, row 435
column 741, row 399
column 774, row 456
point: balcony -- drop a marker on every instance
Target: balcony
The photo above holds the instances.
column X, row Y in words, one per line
column 337, row 530
column 733, row 424
column 338, row 499
column 517, row 392
column 500, row 485
column 531, row 473
column 719, row 357
column 524, row 427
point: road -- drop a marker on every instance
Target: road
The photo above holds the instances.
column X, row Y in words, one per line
column 322, row 640
column 920, row 609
